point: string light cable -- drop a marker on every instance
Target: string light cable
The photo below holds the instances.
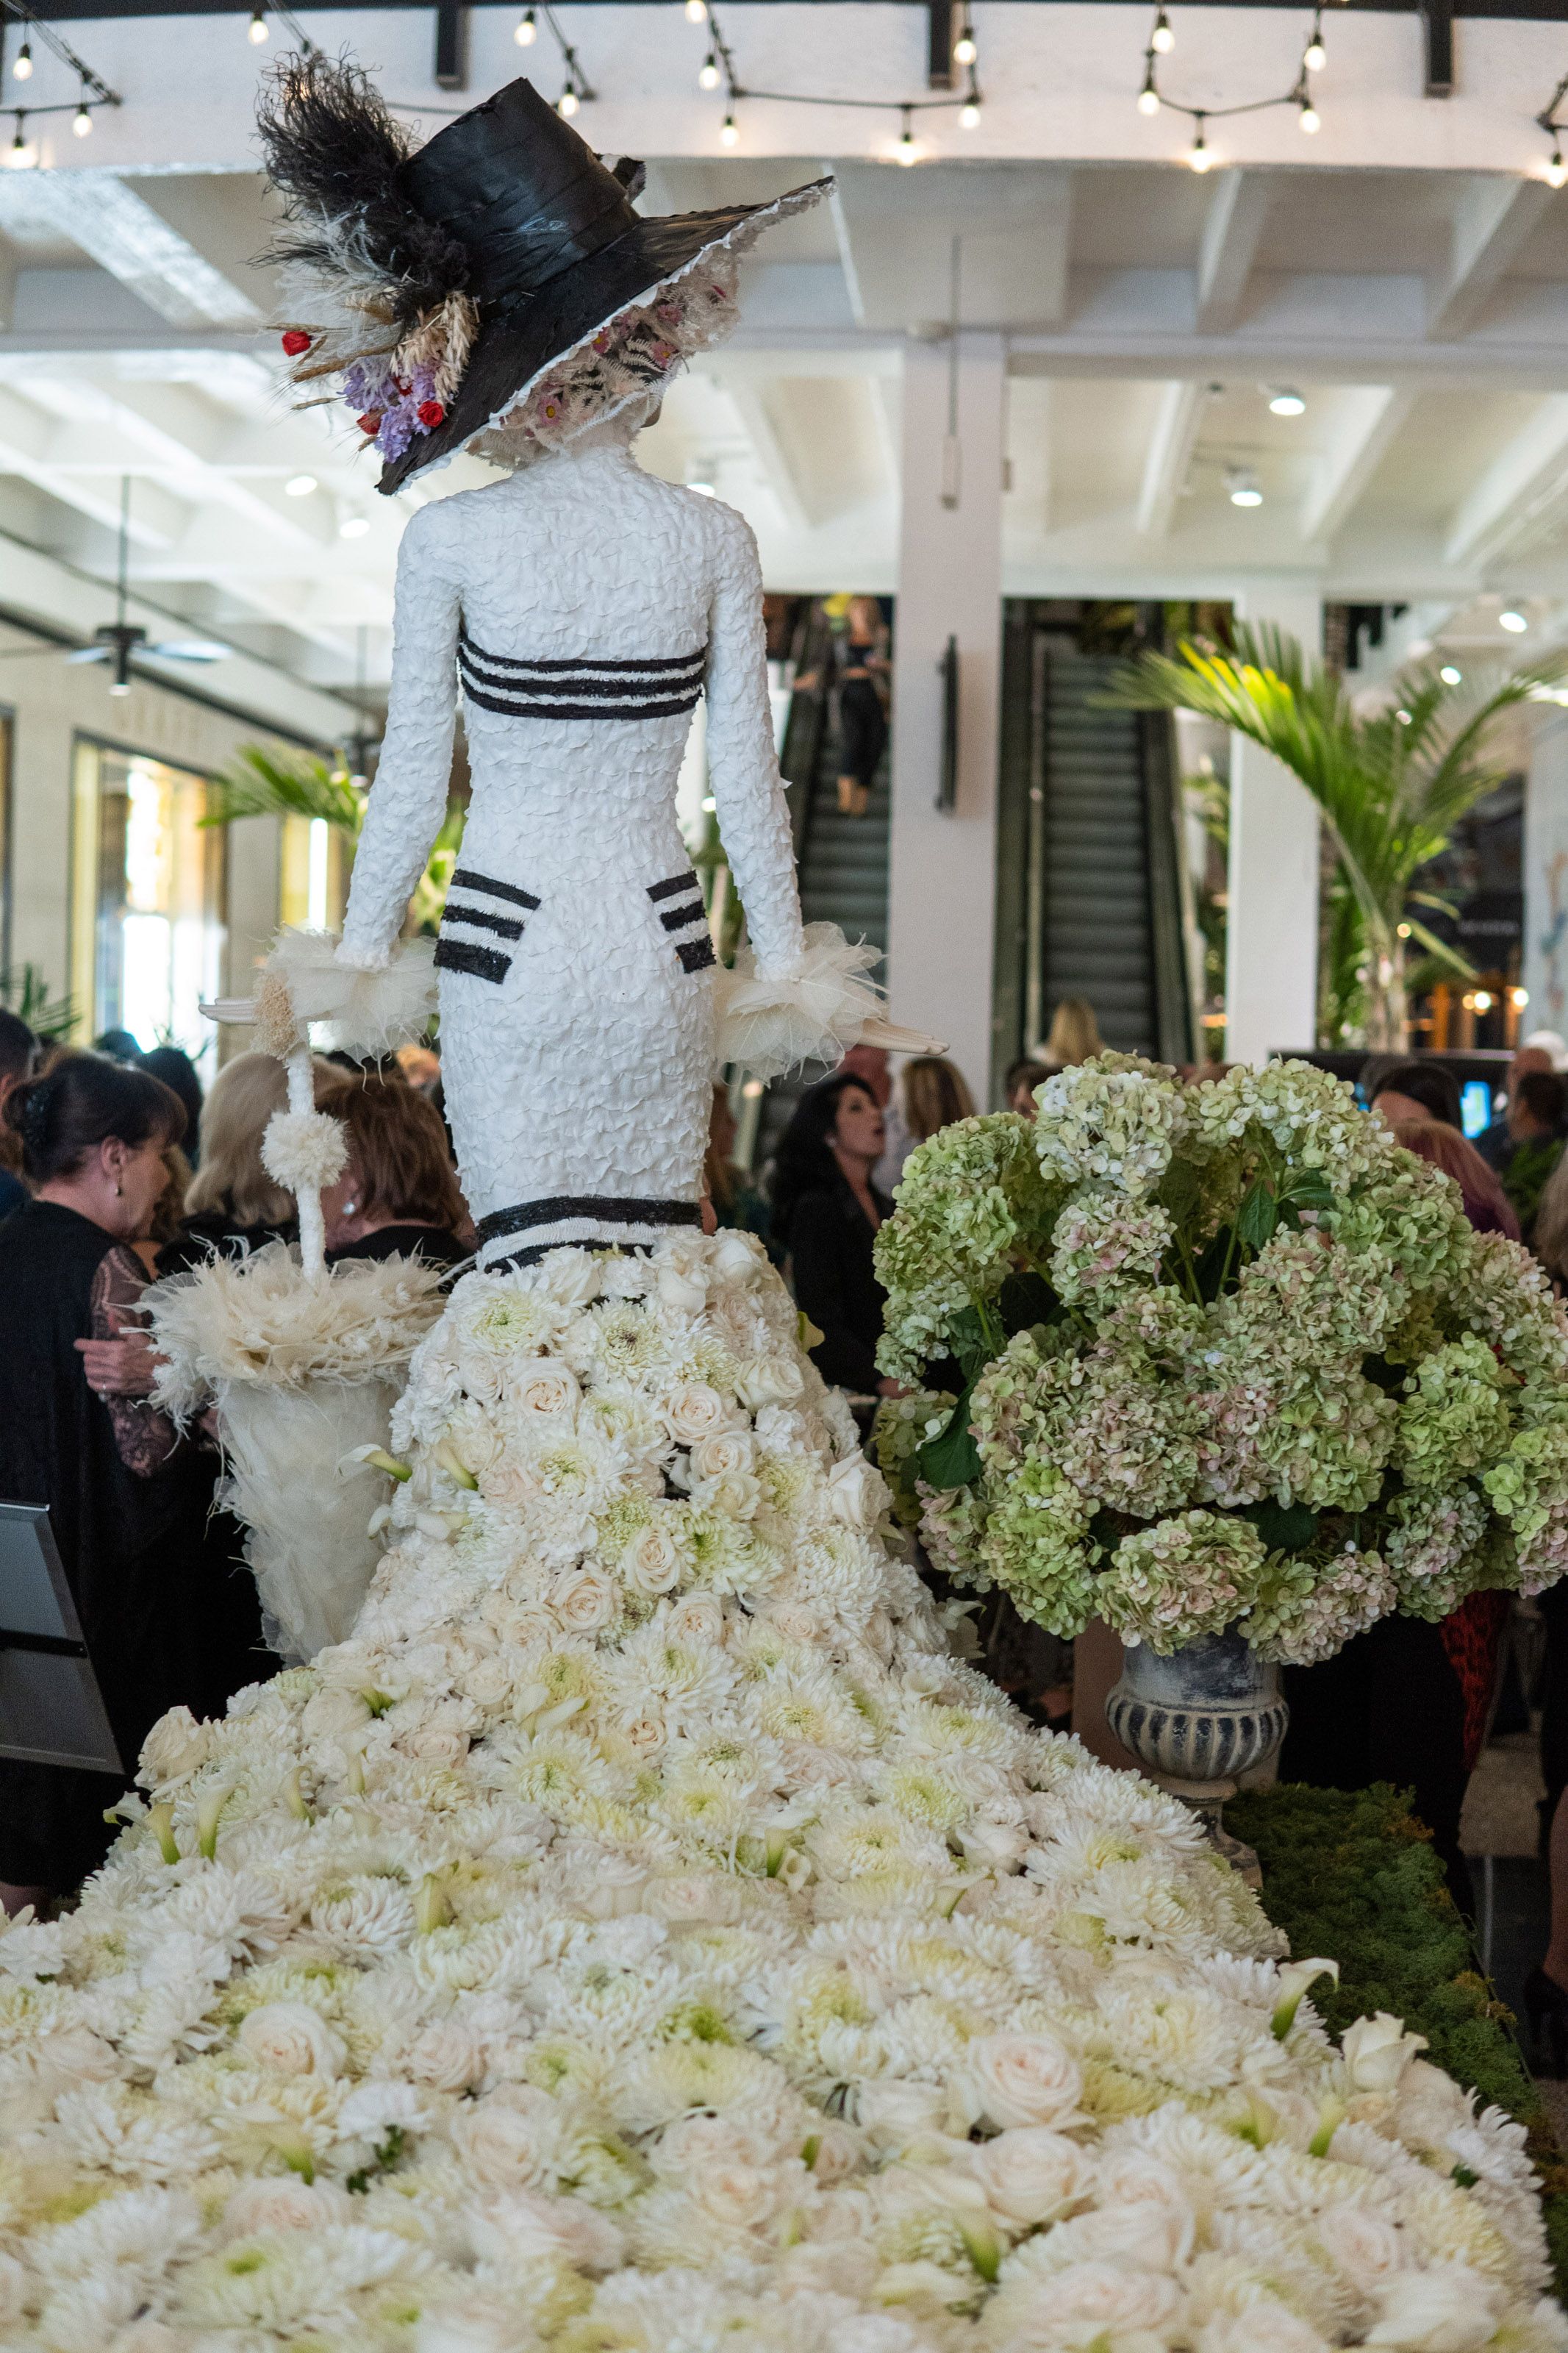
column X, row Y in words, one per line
column 92, row 90
column 1554, row 171
column 576, row 90
column 1152, row 100
column 719, row 68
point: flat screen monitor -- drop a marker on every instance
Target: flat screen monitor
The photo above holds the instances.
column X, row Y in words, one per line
column 51, row 1711
column 1474, row 1107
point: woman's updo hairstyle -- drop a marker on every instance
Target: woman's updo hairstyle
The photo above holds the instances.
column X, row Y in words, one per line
column 80, row 1103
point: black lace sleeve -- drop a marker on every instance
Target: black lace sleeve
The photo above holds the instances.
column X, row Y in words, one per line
column 143, row 1438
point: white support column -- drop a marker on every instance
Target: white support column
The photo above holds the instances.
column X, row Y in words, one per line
column 1271, row 933
column 943, row 879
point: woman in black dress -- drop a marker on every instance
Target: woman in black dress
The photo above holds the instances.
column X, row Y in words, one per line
column 825, row 1214
column 397, row 1196
column 167, row 1617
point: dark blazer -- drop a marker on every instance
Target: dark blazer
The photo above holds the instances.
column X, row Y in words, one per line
column 835, row 1282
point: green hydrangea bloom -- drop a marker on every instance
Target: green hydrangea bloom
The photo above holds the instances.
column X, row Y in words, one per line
column 1454, row 1419
column 1191, row 1575
column 971, row 1204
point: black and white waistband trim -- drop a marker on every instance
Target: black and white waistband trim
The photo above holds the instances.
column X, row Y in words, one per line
column 580, row 1219
column 589, row 686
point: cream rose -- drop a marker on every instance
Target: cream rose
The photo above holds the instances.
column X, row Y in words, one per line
column 523, row 2225
column 174, row 1747
column 856, row 1493
column 1449, row 2309
column 651, row 1562
column 571, row 1277
column 437, row 1741
column 505, row 2141
column 722, row 1455
column 448, row 2056
column 681, row 1290
column 1364, row 2245
column 508, row 1483
column 285, row 2204
column 329, row 1713
column 583, row 1599
column 545, row 1390
column 291, row 2039
column 895, row 2113
column 1109, row 2296
column 1377, row 2051
column 1264, row 2328
column 696, row 1618
column 693, row 1410
column 770, row 1380
column 1020, row 2079
column 644, row 1733
column 733, row 1257
column 489, row 1683
column 1032, row 2175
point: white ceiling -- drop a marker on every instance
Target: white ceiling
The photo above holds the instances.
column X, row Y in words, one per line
column 1422, row 313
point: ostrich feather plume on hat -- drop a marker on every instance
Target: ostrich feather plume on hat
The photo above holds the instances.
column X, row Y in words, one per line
column 496, row 277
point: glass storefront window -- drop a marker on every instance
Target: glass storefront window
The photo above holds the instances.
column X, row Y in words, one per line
column 148, row 901
column 312, row 885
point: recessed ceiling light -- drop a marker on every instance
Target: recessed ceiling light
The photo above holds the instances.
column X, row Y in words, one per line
column 1514, row 623
column 1450, row 676
column 354, row 526
column 299, row 486
column 703, row 490
column 1286, row 403
column 1241, row 483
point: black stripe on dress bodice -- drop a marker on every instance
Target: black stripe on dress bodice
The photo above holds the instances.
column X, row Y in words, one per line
column 589, row 686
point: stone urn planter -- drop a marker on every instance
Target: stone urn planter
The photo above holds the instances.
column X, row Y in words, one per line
column 1197, row 1720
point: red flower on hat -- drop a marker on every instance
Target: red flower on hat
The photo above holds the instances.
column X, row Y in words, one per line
column 431, row 414
column 295, row 342
column 370, row 422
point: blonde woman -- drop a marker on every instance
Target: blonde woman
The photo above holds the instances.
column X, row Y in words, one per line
column 1074, row 1035
column 931, row 1093
column 231, row 1203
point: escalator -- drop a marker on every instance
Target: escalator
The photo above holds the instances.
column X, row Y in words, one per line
column 1090, row 879
column 842, row 860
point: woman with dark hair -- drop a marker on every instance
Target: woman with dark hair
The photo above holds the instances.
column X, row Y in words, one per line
column 174, row 1067
column 397, row 1196
column 825, row 1214
column 128, row 1501
column 1402, row 1090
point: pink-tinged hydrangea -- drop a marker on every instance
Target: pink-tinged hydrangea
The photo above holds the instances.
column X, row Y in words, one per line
column 1433, row 1538
column 1309, row 1606
column 1105, row 1247
column 1192, row 1574
column 1112, row 1121
column 1453, row 1418
column 1530, row 1489
column 973, row 1203
column 1036, row 1543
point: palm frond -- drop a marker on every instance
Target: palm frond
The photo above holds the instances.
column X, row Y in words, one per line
column 263, row 784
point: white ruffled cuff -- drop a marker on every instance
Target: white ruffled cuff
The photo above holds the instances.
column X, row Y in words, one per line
column 372, row 1007
column 809, row 1011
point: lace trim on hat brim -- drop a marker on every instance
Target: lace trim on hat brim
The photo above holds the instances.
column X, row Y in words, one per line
column 736, row 240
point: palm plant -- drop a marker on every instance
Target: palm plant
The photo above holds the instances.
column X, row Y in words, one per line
column 1392, row 784
column 264, row 783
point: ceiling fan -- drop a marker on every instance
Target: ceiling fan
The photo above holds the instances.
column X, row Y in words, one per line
column 116, row 641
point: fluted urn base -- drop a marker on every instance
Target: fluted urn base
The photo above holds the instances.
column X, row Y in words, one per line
column 1198, row 1719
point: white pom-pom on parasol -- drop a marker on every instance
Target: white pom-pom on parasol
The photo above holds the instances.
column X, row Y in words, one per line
column 812, row 1011
column 304, row 1148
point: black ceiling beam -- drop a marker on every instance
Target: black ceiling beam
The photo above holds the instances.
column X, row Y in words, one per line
column 1551, row 12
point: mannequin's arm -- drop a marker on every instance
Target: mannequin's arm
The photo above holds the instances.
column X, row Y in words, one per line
column 742, row 765
column 409, row 800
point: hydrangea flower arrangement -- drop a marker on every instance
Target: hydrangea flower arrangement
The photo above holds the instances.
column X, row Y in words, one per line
column 644, row 1936
column 1225, row 1355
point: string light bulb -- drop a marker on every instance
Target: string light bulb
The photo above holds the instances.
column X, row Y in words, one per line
column 82, row 120
column 1162, row 40
column 1311, row 120
column 23, row 154
column 964, row 48
column 697, row 12
column 567, row 104
column 256, row 32
column 905, row 150
column 729, row 131
column 1556, row 170
column 707, row 72
column 527, row 31
column 1149, row 96
column 1315, row 56
column 1199, row 156
column 969, row 112
column 22, row 69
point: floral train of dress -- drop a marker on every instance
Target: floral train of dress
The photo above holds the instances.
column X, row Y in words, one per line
column 645, row 1935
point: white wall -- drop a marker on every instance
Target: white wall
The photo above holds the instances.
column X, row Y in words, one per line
column 1545, row 973
column 1271, row 933
column 942, row 881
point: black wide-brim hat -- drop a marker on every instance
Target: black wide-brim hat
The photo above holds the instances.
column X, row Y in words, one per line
column 555, row 250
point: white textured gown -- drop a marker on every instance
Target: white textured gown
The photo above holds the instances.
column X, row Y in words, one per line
column 583, row 606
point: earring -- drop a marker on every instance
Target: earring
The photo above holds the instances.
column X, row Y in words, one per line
column 351, row 1208
column 119, row 1189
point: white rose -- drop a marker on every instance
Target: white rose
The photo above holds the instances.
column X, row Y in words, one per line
column 693, row 1410
column 1107, row 2296
column 1156, row 2236
column 681, row 1289
column 1449, row 2309
column 651, row 1562
column 177, row 1745
column 1264, row 2328
column 739, row 2197
column 738, row 1493
column 644, row 1734
column 1377, row 2051
column 770, row 1380
column 448, row 2056
column 329, row 1713
column 544, row 1390
column 734, row 1257
column 523, row 2225
column 1032, row 2175
column 1363, row 2245
column 696, row 1618
column 1020, row 2079
column 285, row 2204
column 1002, row 1846
column 1431, row 2106
column 856, row 1493
column 570, row 1277
column 435, row 1742
column 584, row 1599
column 837, row 2153
column 291, row 2039
column 896, row 2113
column 505, row 2141
column 489, row 1683
column 723, row 1455
column 612, row 1886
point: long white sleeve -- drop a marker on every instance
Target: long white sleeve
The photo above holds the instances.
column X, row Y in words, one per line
column 409, row 799
column 743, row 763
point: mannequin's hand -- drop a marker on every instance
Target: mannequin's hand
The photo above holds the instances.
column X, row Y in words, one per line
column 362, row 958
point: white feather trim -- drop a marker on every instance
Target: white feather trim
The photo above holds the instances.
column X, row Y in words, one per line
column 809, row 1012
column 374, row 1010
column 304, row 1150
